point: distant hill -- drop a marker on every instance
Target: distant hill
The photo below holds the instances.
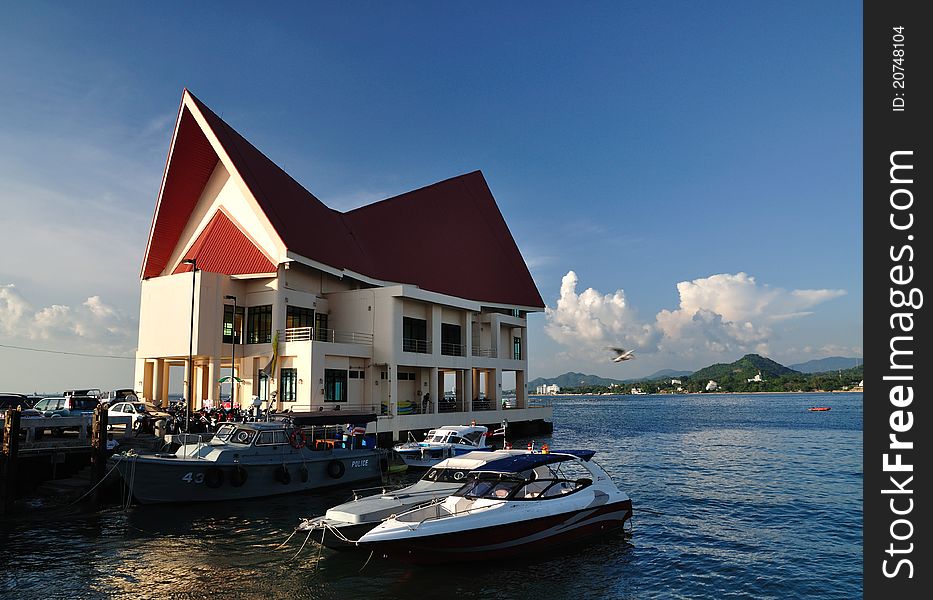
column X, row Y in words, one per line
column 831, row 363
column 745, row 368
column 571, row 379
column 664, row 374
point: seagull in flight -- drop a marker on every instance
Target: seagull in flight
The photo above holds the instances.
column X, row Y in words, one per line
column 622, row 354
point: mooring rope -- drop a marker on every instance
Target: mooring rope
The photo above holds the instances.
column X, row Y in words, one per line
column 302, row 545
column 371, row 552
column 104, row 478
column 285, row 543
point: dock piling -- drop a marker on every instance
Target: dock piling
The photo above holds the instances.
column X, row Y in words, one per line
column 9, row 458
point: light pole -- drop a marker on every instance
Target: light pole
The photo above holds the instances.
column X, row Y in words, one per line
column 233, row 379
column 194, row 271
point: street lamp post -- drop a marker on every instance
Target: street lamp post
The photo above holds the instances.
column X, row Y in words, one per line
column 194, row 270
column 233, row 379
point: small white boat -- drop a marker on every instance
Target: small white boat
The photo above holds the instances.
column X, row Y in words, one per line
column 444, row 442
column 342, row 525
column 533, row 502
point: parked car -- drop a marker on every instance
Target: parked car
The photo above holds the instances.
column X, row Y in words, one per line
column 122, row 395
column 20, row 401
column 139, row 411
column 66, row 406
column 87, row 393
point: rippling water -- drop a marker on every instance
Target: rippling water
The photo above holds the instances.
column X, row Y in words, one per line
column 734, row 496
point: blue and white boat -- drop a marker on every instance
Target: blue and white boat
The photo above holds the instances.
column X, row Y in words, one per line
column 444, row 442
column 509, row 507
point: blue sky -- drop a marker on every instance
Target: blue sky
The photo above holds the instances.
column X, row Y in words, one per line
column 704, row 159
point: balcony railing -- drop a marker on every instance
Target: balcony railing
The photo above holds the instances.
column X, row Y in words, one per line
column 416, row 345
column 320, row 334
column 487, row 352
column 452, row 349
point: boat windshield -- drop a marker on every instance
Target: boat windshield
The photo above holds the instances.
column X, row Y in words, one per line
column 446, row 475
column 493, row 487
column 235, row 435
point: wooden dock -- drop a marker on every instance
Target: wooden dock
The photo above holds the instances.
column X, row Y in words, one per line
column 36, row 449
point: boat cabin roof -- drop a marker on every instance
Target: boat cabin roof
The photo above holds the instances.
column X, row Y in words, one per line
column 525, row 462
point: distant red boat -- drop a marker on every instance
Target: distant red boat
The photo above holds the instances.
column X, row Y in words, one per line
column 819, row 408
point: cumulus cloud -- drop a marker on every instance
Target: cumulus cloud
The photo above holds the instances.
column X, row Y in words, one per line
column 93, row 323
column 717, row 314
column 590, row 320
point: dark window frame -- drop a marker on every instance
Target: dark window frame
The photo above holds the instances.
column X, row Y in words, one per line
column 259, row 324
column 335, row 384
column 288, row 385
column 228, row 326
column 297, row 317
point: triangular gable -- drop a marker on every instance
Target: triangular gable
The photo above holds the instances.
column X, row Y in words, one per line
column 223, row 248
column 189, row 166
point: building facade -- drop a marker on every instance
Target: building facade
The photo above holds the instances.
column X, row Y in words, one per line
column 376, row 310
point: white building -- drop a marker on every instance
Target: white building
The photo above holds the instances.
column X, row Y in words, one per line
column 373, row 310
column 712, row 386
column 756, row 379
column 547, row 389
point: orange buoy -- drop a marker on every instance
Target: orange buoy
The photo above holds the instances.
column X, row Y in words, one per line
column 545, row 449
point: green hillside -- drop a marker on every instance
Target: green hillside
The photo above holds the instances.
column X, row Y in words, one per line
column 745, row 368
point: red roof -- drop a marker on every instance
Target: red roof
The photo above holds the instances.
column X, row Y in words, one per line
column 448, row 237
column 223, row 248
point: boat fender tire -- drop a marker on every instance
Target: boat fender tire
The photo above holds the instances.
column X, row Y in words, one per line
column 238, row 476
column 213, row 477
column 303, row 474
column 297, row 439
column 336, row 469
column 282, row 475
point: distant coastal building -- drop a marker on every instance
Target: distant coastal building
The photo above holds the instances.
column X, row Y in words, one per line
column 379, row 309
column 675, row 382
column 547, row 390
column 712, row 386
column 756, row 378
column 637, row 391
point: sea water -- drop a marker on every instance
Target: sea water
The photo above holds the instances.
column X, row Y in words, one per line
column 735, row 496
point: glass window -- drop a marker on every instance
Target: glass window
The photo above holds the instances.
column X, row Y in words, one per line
column 230, row 327
column 298, row 316
column 450, row 340
column 259, row 330
column 335, row 385
column 414, row 335
column 517, row 348
column 321, row 333
column 263, row 386
column 289, row 380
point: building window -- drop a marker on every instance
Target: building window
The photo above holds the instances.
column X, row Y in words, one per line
column 517, row 348
column 414, row 335
column 321, row 333
column 403, row 376
column 298, row 316
column 288, row 385
column 451, row 342
column 357, row 375
column 229, row 326
column 259, row 325
column 263, row 386
column 335, row 385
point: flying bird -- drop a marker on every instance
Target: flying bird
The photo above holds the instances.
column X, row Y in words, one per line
column 622, row 354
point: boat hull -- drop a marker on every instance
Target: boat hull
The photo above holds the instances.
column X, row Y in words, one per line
column 519, row 538
column 155, row 480
column 427, row 457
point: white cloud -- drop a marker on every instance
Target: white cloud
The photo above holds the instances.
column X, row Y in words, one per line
column 94, row 325
column 590, row 321
column 719, row 314
column 12, row 309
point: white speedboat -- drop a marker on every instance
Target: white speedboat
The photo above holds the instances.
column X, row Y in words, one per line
column 342, row 525
column 511, row 506
column 443, row 442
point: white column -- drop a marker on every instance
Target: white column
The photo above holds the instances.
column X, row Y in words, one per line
column 432, row 386
column 468, row 388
